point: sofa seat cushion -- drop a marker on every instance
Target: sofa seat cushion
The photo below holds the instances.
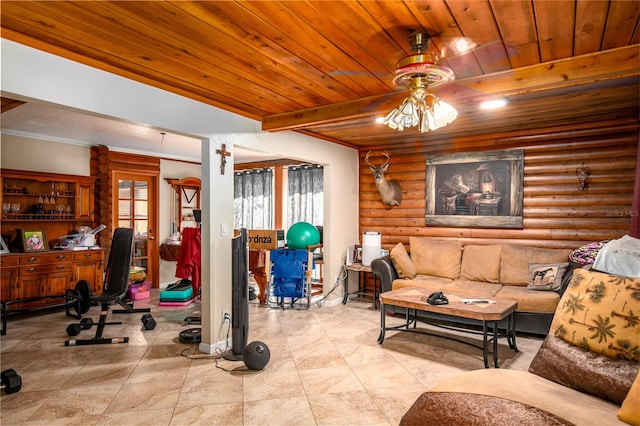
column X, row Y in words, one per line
column 456, row 408
column 428, row 282
column 530, row 300
column 515, row 260
column 434, row 257
column 472, row 288
column 527, row 388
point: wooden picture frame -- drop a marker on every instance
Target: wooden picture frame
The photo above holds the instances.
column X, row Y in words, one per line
column 483, row 190
column 34, row 240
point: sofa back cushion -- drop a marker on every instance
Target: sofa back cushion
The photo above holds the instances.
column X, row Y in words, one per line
column 433, row 257
column 402, row 262
column 481, row 263
column 515, row 260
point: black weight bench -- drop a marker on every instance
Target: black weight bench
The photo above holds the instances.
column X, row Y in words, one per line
column 116, row 286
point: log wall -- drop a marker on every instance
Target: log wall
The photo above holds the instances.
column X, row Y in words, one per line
column 556, row 213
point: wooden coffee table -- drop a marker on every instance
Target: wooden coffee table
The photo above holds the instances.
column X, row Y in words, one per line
column 486, row 314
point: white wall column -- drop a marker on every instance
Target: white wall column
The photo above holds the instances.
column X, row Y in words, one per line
column 217, row 232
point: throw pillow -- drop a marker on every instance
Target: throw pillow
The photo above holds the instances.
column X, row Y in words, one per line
column 546, row 276
column 586, row 254
column 601, row 312
column 402, row 262
column 435, row 257
column 481, row 263
column 629, row 412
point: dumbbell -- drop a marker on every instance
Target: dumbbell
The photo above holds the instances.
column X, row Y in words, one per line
column 11, row 381
column 75, row 329
column 148, row 321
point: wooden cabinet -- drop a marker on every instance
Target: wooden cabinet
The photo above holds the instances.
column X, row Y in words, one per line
column 43, row 276
column 36, row 196
column 8, row 275
column 55, row 203
column 185, row 201
column 88, row 265
column 84, row 201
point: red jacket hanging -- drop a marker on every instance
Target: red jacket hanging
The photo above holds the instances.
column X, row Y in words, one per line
column 190, row 259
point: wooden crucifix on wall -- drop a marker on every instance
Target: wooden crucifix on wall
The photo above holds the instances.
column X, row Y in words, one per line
column 223, row 157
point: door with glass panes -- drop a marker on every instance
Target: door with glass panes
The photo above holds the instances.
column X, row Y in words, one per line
column 135, row 208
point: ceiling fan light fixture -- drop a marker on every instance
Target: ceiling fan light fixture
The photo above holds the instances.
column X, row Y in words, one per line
column 420, row 72
column 444, row 113
column 405, row 115
column 421, row 108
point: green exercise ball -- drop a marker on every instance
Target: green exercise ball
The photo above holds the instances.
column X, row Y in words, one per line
column 302, row 234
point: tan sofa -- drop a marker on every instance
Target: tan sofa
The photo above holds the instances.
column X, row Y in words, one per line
column 585, row 372
column 490, row 271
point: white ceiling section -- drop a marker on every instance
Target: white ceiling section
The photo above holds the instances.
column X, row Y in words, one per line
column 41, row 120
column 48, row 120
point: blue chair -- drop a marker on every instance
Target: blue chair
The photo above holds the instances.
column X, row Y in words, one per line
column 290, row 278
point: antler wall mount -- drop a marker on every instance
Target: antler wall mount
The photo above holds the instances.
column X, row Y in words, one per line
column 389, row 190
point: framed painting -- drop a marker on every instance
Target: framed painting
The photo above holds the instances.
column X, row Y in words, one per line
column 34, row 240
column 483, row 190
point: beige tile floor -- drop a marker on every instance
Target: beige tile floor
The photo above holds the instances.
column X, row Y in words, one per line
column 326, row 368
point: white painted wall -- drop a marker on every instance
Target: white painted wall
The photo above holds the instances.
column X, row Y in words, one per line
column 21, row 153
column 27, row 72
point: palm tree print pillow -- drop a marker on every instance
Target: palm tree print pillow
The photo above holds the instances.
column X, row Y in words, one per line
column 601, row 312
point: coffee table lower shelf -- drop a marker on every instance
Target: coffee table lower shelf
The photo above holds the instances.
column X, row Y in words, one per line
column 488, row 316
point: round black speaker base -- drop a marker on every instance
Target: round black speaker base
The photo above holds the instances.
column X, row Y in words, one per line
column 230, row 356
column 191, row 335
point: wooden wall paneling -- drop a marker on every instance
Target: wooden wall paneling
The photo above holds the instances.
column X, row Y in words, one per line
column 556, row 213
column 103, row 162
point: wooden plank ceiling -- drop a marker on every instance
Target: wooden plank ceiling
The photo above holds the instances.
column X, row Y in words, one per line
column 325, row 68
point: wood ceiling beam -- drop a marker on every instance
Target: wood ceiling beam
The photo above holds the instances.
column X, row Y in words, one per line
column 594, row 67
column 9, row 104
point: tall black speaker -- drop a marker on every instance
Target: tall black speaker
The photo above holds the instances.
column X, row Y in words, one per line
column 239, row 295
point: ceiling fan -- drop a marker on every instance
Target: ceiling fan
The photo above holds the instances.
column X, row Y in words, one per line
column 421, row 71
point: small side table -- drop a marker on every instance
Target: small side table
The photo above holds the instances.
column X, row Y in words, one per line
column 361, row 270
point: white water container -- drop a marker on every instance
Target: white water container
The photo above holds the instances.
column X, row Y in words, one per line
column 371, row 246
